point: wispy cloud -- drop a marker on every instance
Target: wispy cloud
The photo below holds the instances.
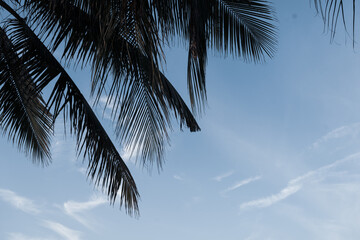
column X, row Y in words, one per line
column 63, row 231
column 241, row 183
column 268, row 201
column 220, row 177
column 177, row 177
column 340, row 132
column 63, row 147
column 107, row 101
column 130, row 153
column 82, row 170
column 323, row 170
column 19, row 202
column 294, row 185
column 20, row 236
column 77, row 209
column 104, row 100
column 107, row 106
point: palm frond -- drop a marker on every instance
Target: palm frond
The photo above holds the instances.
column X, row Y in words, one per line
column 87, row 27
column 197, row 55
column 166, row 15
column 23, row 114
column 130, row 65
column 243, row 28
column 196, row 72
column 105, row 166
column 333, row 11
column 122, row 41
column 146, row 125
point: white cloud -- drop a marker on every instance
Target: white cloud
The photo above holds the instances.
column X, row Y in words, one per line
column 177, row 177
column 82, row 170
column 130, row 153
column 222, row 176
column 268, row 201
column 104, row 100
column 241, row 183
column 78, row 209
column 64, row 145
column 65, row 232
column 20, row 236
column 324, row 169
column 21, row 203
column 340, row 132
column 294, row 185
column 107, row 106
column 337, row 209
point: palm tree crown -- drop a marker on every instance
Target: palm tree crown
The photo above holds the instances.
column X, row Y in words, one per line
column 122, row 41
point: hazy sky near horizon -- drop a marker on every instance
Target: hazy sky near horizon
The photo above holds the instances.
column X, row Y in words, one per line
column 278, row 156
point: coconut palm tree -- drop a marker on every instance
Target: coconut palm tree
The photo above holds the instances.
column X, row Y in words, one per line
column 122, row 41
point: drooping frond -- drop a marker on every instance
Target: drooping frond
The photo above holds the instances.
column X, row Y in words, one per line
column 165, row 14
column 241, row 28
column 197, row 55
column 23, row 115
column 105, row 165
column 146, row 127
column 333, row 11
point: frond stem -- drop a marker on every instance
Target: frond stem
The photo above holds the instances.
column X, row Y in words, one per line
column 5, row 6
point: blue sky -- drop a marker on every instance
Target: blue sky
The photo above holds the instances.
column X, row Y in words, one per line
column 278, row 156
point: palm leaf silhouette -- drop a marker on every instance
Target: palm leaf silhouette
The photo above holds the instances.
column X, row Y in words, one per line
column 242, row 28
column 122, row 41
column 105, row 165
column 335, row 11
column 22, row 110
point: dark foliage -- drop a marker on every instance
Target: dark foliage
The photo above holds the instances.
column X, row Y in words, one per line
column 122, row 41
